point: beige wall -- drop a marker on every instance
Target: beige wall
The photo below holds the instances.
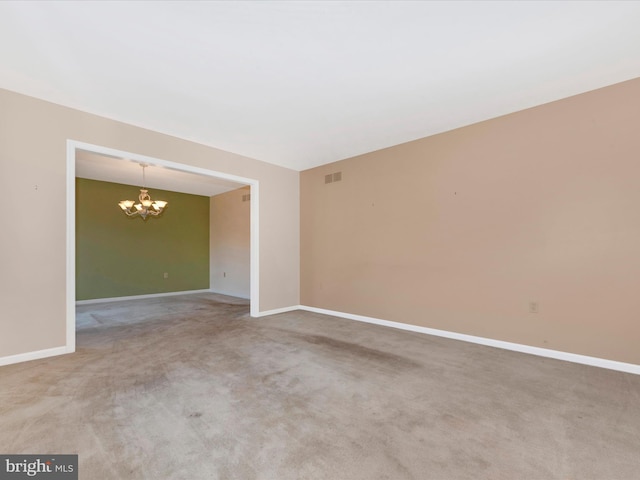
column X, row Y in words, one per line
column 33, row 136
column 229, row 237
column 460, row 231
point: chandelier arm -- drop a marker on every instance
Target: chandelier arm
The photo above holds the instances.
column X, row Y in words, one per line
column 147, row 206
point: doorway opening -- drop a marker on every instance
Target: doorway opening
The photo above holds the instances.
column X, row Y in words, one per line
column 119, row 158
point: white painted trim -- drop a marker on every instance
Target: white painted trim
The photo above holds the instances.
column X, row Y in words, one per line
column 228, row 294
column 71, row 248
column 275, row 311
column 254, row 260
column 139, row 297
column 136, row 157
column 516, row 347
column 25, row 357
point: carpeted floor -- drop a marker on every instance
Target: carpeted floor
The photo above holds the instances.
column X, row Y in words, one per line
column 191, row 387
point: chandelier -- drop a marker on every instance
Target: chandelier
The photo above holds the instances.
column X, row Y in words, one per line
column 146, row 206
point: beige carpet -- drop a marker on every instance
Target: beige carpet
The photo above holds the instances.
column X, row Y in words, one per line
column 191, row 387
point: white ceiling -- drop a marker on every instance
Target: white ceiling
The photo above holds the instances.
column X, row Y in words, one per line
column 300, row 84
column 121, row 170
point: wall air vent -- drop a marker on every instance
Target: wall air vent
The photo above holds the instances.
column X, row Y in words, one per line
column 333, row 177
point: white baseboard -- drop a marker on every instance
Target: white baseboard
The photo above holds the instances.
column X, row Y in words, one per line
column 139, row 297
column 516, row 347
column 25, row 357
column 279, row 310
column 229, row 294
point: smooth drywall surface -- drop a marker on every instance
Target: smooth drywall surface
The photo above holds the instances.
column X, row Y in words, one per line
column 230, row 242
column 463, row 231
column 119, row 256
column 33, row 149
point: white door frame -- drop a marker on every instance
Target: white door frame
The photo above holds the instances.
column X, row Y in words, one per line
column 72, row 147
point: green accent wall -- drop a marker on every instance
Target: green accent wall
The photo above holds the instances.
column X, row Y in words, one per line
column 119, row 256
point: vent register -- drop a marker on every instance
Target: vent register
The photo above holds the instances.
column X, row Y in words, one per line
column 333, row 177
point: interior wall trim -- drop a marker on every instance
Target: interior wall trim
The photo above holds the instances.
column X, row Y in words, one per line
column 244, row 297
column 25, row 357
column 139, row 297
column 275, row 311
column 516, row 347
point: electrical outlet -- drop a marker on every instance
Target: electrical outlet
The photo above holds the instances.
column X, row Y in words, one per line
column 166, row 275
column 533, row 307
